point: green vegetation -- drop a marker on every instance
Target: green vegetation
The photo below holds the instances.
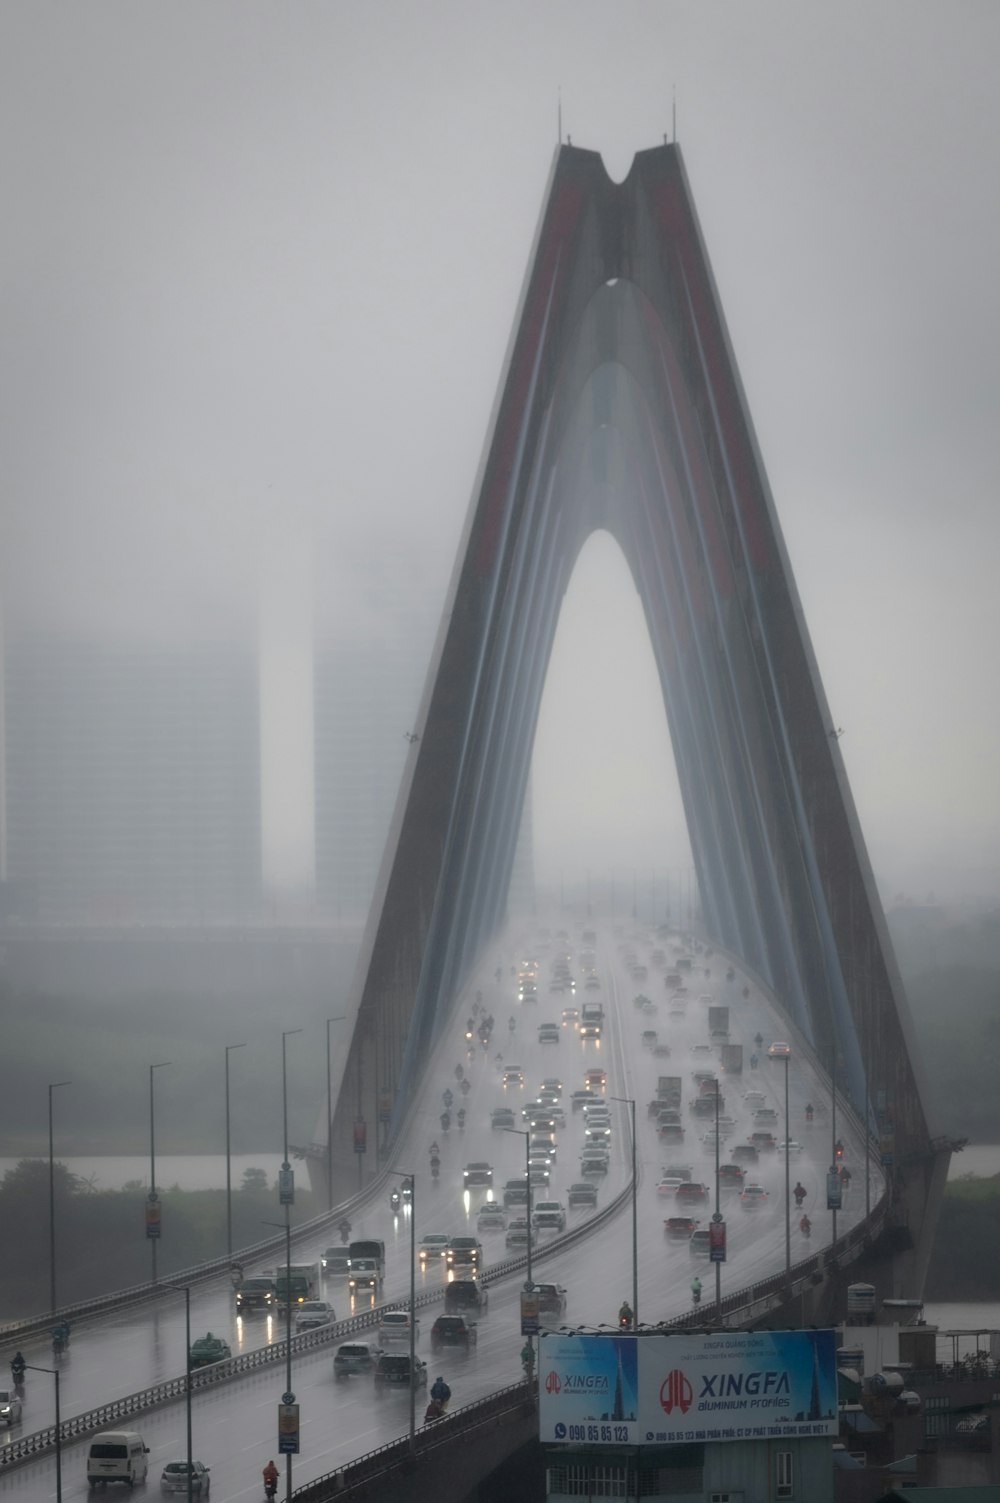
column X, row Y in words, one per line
column 100, row 1234
column 966, row 1252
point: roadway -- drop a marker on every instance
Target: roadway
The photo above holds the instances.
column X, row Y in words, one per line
column 234, row 1425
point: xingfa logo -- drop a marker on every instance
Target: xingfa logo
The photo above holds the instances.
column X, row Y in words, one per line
column 675, row 1392
column 553, row 1383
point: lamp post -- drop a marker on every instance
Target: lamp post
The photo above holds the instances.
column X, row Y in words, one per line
column 522, row 1133
column 185, row 1290
column 400, row 1174
column 54, row 1373
column 286, row 1182
column 718, row 1214
column 788, row 1177
column 152, row 1216
column 229, row 1174
column 329, row 1116
column 52, row 1205
column 289, row 1395
column 629, row 1101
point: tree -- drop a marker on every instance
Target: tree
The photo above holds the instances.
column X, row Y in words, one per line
column 255, row 1179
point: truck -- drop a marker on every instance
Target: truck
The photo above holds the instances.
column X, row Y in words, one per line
column 366, row 1264
column 718, row 1024
column 668, row 1085
column 298, row 1281
column 732, row 1059
column 591, row 1020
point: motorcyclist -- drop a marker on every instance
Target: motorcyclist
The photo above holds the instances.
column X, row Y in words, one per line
column 460, row 1117
column 448, row 1097
column 434, row 1149
column 805, row 1226
column 753, row 1061
column 800, row 1194
column 440, row 1392
column 696, row 1289
column 60, row 1334
column 445, row 1121
column 270, row 1479
column 810, row 1111
column 435, row 1165
column 625, row 1315
column 17, row 1366
column 528, row 1358
column 394, row 1200
column 845, row 1176
column 513, row 1023
column 758, row 1039
column 344, row 1228
column 465, row 1087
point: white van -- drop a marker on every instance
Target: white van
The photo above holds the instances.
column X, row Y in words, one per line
column 117, row 1456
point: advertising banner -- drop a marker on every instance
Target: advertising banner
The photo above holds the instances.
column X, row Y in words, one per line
column 530, row 1312
column 674, row 1389
column 834, row 1191
column 288, row 1429
column 717, row 1240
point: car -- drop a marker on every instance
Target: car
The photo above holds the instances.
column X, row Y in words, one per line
column 765, row 1116
column 679, row 1228
column 698, row 1244
column 779, row 1050
column 745, row 1153
column 539, row 1114
column 731, row 1176
column 761, row 1140
column 539, row 1171
column 593, row 1164
column 463, row 1295
column 648, row 1038
column 453, row 1330
column 542, row 1142
column 174, row 1478
column 513, row 1075
column 661, row 1050
column 682, row 1171
column 548, row 1215
column 517, row 1232
column 353, row 1357
column 752, row 1197
column 464, row 1252
column 552, row 1083
column 395, row 1326
column 570, row 1017
column 595, row 1079
column 551, row 1299
column 592, row 984
column 702, row 1051
column 754, row 1099
column 434, row 1245
column 394, row 1367
column 579, row 1099
column 670, row 1132
column 261, row 1294
column 501, row 1117
column 788, row 1145
column 10, row 1407
column 668, row 1185
column 478, row 1174
column 597, row 1132
column 581, row 1194
column 548, row 1033
column 209, row 1349
column 491, row 1217
column 313, row 1313
column 515, row 1192
column 691, row 1193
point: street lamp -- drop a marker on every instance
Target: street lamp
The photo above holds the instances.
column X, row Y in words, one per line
column 629, row 1101
column 523, row 1133
column 152, row 1216
column 185, row 1290
column 289, row 1396
column 229, row 1176
column 286, row 1192
column 52, row 1204
column 413, row 1304
column 788, row 1177
column 329, row 1115
column 53, row 1372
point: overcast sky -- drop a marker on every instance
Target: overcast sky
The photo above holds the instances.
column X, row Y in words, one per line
column 260, row 268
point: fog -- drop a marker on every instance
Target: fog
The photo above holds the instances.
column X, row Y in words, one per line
column 261, row 264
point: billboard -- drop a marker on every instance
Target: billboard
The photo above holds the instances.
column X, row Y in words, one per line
column 661, row 1389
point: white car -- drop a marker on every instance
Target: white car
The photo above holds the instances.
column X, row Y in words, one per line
column 395, row 1326
column 789, row 1145
column 10, row 1407
column 174, row 1478
column 312, row 1313
column 434, row 1245
column 548, row 1215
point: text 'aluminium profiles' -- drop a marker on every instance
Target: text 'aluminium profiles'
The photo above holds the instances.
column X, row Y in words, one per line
column 673, row 1389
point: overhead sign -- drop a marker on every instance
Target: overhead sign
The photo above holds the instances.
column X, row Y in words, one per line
column 675, row 1389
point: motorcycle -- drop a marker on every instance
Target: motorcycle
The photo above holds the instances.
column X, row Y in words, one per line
column 460, row 1118
column 448, row 1098
column 345, row 1231
column 60, row 1339
column 465, row 1088
column 270, row 1487
column 17, row 1374
column 435, row 1168
column 805, row 1226
column 445, row 1121
column 696, row 1294
column 394, row 1201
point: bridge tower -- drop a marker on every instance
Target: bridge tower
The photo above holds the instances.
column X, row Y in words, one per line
column 620, row 407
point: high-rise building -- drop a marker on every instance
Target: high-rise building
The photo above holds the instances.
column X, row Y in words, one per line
column 132, row 779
